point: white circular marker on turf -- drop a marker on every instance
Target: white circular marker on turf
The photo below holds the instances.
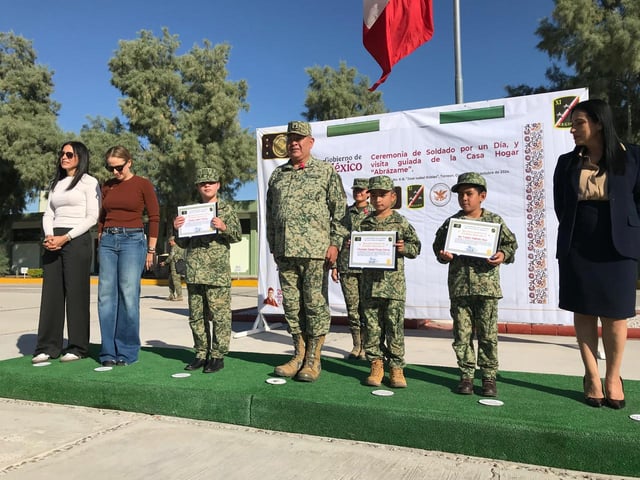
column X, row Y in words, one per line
column 102, row 369
column 491, row 402
column 382, row 393
column 181, row 375
column 42, row 364
column 635, row 416
column 276, row 381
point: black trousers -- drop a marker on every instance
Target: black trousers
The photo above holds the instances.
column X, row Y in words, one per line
column 65, row 286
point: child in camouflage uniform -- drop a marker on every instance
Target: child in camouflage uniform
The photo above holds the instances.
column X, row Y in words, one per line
column 474, row 288
column 350, row 278
column 384, row 291
column 209, row 277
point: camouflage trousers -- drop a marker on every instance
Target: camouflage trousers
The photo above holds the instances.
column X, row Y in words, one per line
column 305, row 293
column 208, row 303
column 175, row 281
column 479, row 314
column 384, row 324
column 350, row 285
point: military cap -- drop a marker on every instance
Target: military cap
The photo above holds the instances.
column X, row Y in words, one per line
column 362, row 183
column 381, row 182
column 470, row 178
column 207, row 174
column 299, row 128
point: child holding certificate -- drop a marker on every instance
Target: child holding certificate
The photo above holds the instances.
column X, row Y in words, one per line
column 384, row 289
column 208, row 276
column 474, row 286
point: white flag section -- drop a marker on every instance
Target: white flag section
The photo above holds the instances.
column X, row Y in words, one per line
column 513, row 142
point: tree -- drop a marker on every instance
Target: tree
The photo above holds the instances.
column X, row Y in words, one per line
column 29, row 136
column 186, row 113
column 99, row 135
column 339, row 93
column 600, row 41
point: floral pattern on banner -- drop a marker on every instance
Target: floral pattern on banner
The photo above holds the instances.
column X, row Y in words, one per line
column 538, row 282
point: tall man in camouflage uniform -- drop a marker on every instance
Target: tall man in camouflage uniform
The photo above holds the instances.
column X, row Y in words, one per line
column 209, row 277
column 474, row 288
column 349, row 278
column 384, row 291
column 305, row 204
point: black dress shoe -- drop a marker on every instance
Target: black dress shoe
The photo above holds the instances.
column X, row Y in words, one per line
column 108, row 363
column 591, row 401
column 214, row 365
column 121, row 363
column 616, row 404
column 196, row 364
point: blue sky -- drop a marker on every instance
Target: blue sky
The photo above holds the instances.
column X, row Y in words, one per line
column 271, row 45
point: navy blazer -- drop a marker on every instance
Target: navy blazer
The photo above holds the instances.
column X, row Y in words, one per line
column 624, row 202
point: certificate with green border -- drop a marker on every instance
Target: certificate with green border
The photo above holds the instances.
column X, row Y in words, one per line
column 373, row 250
column 472, row 238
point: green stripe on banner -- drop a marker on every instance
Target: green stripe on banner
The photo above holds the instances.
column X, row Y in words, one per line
column 351, row 128
column 470, row 115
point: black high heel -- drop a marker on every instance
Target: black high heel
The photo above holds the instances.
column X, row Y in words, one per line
column 616, row 404
column 592, row 401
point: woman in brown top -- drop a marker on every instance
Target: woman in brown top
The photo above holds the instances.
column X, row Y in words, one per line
column 124, row 252
column 596, row 190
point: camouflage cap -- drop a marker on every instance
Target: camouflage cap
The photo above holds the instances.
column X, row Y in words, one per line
column 207, row 174
column 299, row 128
column 470, row 178
column 381, row 182
column 362, row 183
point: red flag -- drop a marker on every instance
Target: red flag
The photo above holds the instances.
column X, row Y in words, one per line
column 392, row 29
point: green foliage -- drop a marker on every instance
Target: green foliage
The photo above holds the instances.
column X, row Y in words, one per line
column 185, row 112
column 28, row 131
column 600, row 41
column 341, row 93
column 35, row 272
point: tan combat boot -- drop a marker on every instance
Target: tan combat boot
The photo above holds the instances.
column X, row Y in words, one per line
column 377, row 373
column 396, row 378
column 357, row 344
column 291, row 368
column 312, row 368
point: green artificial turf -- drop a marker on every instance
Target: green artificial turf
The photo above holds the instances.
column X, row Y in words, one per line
column 543, row 421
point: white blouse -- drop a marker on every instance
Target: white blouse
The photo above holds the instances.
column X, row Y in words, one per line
column 76, row 209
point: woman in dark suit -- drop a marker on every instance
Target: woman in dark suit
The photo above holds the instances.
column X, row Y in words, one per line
column 596, row 191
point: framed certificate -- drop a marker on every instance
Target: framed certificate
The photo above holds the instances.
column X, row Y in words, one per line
column 197, row 219
column 472, row 238
column 373, row 250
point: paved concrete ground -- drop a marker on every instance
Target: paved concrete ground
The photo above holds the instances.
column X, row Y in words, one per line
column 38, row 440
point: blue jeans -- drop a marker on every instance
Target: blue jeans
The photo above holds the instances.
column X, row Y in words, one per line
column 122, row 257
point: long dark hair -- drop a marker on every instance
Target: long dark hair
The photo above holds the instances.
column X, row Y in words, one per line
column 82, row 152
column 613, row 153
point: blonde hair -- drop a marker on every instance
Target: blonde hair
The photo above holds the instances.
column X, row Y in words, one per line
column 119, row 152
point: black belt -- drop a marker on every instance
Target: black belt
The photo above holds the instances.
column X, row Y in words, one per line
column 116, row 230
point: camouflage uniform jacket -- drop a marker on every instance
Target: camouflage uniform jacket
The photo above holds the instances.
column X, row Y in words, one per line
column 390, row 284
column 472, row 275
column 175, row 254
column 304, row 209
column 351, row 222
column 207, row 256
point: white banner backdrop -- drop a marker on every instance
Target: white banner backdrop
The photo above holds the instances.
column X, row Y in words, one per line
column 513, row 142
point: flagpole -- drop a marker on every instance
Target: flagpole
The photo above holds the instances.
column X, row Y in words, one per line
column 457, row 50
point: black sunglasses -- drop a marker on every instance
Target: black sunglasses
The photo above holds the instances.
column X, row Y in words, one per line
column 69, row 155
column 119, row 168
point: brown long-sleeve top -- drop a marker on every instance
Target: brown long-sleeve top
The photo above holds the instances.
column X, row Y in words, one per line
column 124, row 202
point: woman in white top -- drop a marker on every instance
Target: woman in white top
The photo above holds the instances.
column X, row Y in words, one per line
column 72, row 209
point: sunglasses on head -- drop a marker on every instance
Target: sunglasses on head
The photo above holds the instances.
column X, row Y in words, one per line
column 69, row 155
column 117, row 168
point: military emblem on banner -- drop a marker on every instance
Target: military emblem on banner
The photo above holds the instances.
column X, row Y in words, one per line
column 440, row 194
column 274, row 145
column 561, row 110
